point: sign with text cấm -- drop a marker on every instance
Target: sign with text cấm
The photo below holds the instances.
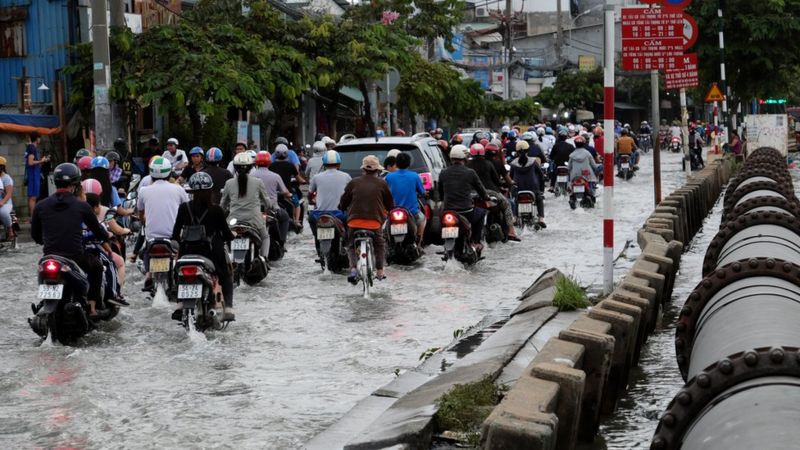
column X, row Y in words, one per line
column 652, row 38
column 686, row 77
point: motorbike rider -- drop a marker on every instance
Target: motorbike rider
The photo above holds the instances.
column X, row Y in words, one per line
column 57, row 224
column 158, row 207
column 406, row 186
column 240, row 147
column 559, row 156
column 284, row 167
column 175, row 156
column 367, row 200
column 314, row 164
column 328, row 185
column 218, row 174
column 581, row 161
column 6, row 202
column 92, row 191
column 273, row 183
column 114, row 170
column 456, row 185
column 528, row 176
column 627, row 146
column 244, row 197
column 202, row 210
column 196, row 156
column 491, row 181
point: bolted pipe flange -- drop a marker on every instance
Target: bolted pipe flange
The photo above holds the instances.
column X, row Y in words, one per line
column 790, row 207
column 709, row 286
column 765, row 153
column 758, row 173
column 785, row 190
column 741, row 223
column 694, row 398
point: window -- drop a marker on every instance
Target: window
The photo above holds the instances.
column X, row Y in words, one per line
column 12, row 32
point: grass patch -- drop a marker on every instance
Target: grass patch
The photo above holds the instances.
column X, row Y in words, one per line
column 569, row 295
column 464, row 408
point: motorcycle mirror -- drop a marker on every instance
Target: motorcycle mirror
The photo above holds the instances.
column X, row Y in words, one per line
column 232, row 222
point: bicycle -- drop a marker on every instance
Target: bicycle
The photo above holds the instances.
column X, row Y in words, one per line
column 363, row 243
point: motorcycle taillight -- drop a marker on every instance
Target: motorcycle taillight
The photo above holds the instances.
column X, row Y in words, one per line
column 524, row 199
column 398, row 216
column 160, row 251
column 51, row 269
column 449, row 220
column 189, row 273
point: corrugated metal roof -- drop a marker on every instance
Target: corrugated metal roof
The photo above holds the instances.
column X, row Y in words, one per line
column 487, row 38
column 46, row 41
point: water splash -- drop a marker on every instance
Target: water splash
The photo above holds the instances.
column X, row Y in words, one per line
column 195, row 337
column 160, row 299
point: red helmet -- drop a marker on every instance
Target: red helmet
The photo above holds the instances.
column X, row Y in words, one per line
column 442, row 143
column 491, row 148
column 457, row 138
column 399, row 132
column 484, row 142
column 263, row 159
column 477, row 150
column 92, row 186
column 85, row 163
column 580, row 139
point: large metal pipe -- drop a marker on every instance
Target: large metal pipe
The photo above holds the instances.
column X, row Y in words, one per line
column 757, row 189
column 762, row 204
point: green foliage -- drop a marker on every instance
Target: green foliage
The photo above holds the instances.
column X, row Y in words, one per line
column 464, row 407
column 569, row 295
column 525, row 110
column 428, row 353
column 574, row 89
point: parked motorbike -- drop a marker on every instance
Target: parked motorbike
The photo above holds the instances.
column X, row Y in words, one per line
column 625, row 170
column 194, row 275
column 562, row 180
column 245, row 249
column 582, row 192
column 456, row 232
column 401, row 229
column 162, row 254
column 331, row 238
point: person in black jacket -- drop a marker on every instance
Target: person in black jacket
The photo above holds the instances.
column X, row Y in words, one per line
column 456, row 185
column 56, row 223
column 201, row 210
column 559, row 156
column 491, row 181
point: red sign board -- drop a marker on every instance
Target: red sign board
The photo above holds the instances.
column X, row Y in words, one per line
column 676, row 4
column 690, row 31
column 686, row 77
column 652, row 38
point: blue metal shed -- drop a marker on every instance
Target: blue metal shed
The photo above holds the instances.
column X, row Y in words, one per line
column 43, row 27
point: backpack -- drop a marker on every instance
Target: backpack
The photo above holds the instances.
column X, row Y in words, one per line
column 193, row 235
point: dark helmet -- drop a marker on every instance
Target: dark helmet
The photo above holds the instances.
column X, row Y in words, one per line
column 200, row 181
column 624, row 132
column 282, row 140
column 81, row 153
column 112, row 156
column 67, row 174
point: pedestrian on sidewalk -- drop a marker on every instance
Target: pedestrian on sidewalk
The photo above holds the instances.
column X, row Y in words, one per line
column 33, row 170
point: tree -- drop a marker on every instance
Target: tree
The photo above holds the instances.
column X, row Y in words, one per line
column 525, row 110
column 574, row 89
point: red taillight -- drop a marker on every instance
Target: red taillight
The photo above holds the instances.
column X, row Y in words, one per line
column 524, row 199
column 324, row 220
column 561, row 171
column 398, row 216
column 449, row 220
column 189, row 273
column 51, row 268
column 160, row 251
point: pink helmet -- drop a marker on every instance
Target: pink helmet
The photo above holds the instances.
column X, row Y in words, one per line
column 92, row 186
column 85, row 163
column 477, row 150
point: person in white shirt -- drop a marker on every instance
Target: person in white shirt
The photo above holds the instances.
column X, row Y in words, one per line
column 175, row 156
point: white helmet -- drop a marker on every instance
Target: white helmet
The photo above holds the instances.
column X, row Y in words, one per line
column 540, row 131
column 328, row 141
column 243, row 159
column 458, row 152
column 505, row 129
column 172, row 141
column 160, row 168
column 393, row 152
column 319, row 147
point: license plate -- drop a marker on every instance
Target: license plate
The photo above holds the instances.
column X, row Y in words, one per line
column 626, row 166
column 399, row 228
column 561, row 178
column 240, row 244
column 525, row 208
column 190, row 291
column 450, row 233
column 579, row 189
column 159, row 265
column 50, row 291
column 325, row 234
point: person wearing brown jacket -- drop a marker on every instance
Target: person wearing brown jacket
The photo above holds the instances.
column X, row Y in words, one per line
column 367, row 200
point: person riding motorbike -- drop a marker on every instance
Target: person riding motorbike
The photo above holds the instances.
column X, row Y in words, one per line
column 328, row 185
column 202, row 210
column 196, row 156
column 406, row 186
column 244, row 197
column 582, row 164
column 283, row 167
column 109, row 197
column 57, row 224
column 528, row 176
column 218, row 174
column 158, row 207
column 367, row 200
column 626, row 146
column 456, row 185
column 491, row 181
column 114, row 170
column 175, row 156
column 314, row 165
column 92, row 190
column 559, row 156
column 274, row 187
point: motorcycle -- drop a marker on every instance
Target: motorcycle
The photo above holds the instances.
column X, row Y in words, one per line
column 562, row 179
column 582, row 192
column 456, row 232
column 162, row 254
column 496, row 227
column 526, row 203
column 277, row 248
column 331, row 238
column 401, row 229
column 645, row 142
column 248, row 264
column 194, row 275
column 61, row 312
column 625, row 170
column 9, row 244
column 675, row 144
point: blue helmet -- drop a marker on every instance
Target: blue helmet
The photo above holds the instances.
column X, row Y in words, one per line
column 195, row 151
column 548, row 130
column 512, row 134
column 331, row 157
column 214, row 154
column 100, row 162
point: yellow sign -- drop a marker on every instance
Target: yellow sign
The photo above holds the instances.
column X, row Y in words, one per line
column 714, row 94
column 586, row 63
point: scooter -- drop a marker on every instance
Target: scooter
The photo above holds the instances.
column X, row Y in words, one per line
column 625, row 170
column 194, row 275
column 162, row 254
column 456, row 233
column 277, row 248
column 582, row 192
column 675, row 144
column 496, row 227
column 526, row 203
column 401, row 229
column 562, row 180
column 331, row 240
column 245, row 249
column 645, row 142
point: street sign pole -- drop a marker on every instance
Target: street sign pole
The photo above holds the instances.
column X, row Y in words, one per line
column 608, row 151
column 687, row 162
column 656, row 107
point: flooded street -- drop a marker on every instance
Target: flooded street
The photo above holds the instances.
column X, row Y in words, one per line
column 305, row 347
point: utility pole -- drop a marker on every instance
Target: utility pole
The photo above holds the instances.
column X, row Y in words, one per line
column 656, row 111
column 102, row 76
column 119, row 128
column 608, row 149
column 507, row 53
column 725, row 90
column 559, row 32
column 687, row 161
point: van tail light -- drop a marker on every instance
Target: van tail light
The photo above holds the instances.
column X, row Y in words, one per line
column 189, row 273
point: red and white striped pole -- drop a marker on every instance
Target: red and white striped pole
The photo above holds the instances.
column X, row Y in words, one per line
column 608, row 152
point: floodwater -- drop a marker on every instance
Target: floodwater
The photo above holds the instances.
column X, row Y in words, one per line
column 304, row 349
